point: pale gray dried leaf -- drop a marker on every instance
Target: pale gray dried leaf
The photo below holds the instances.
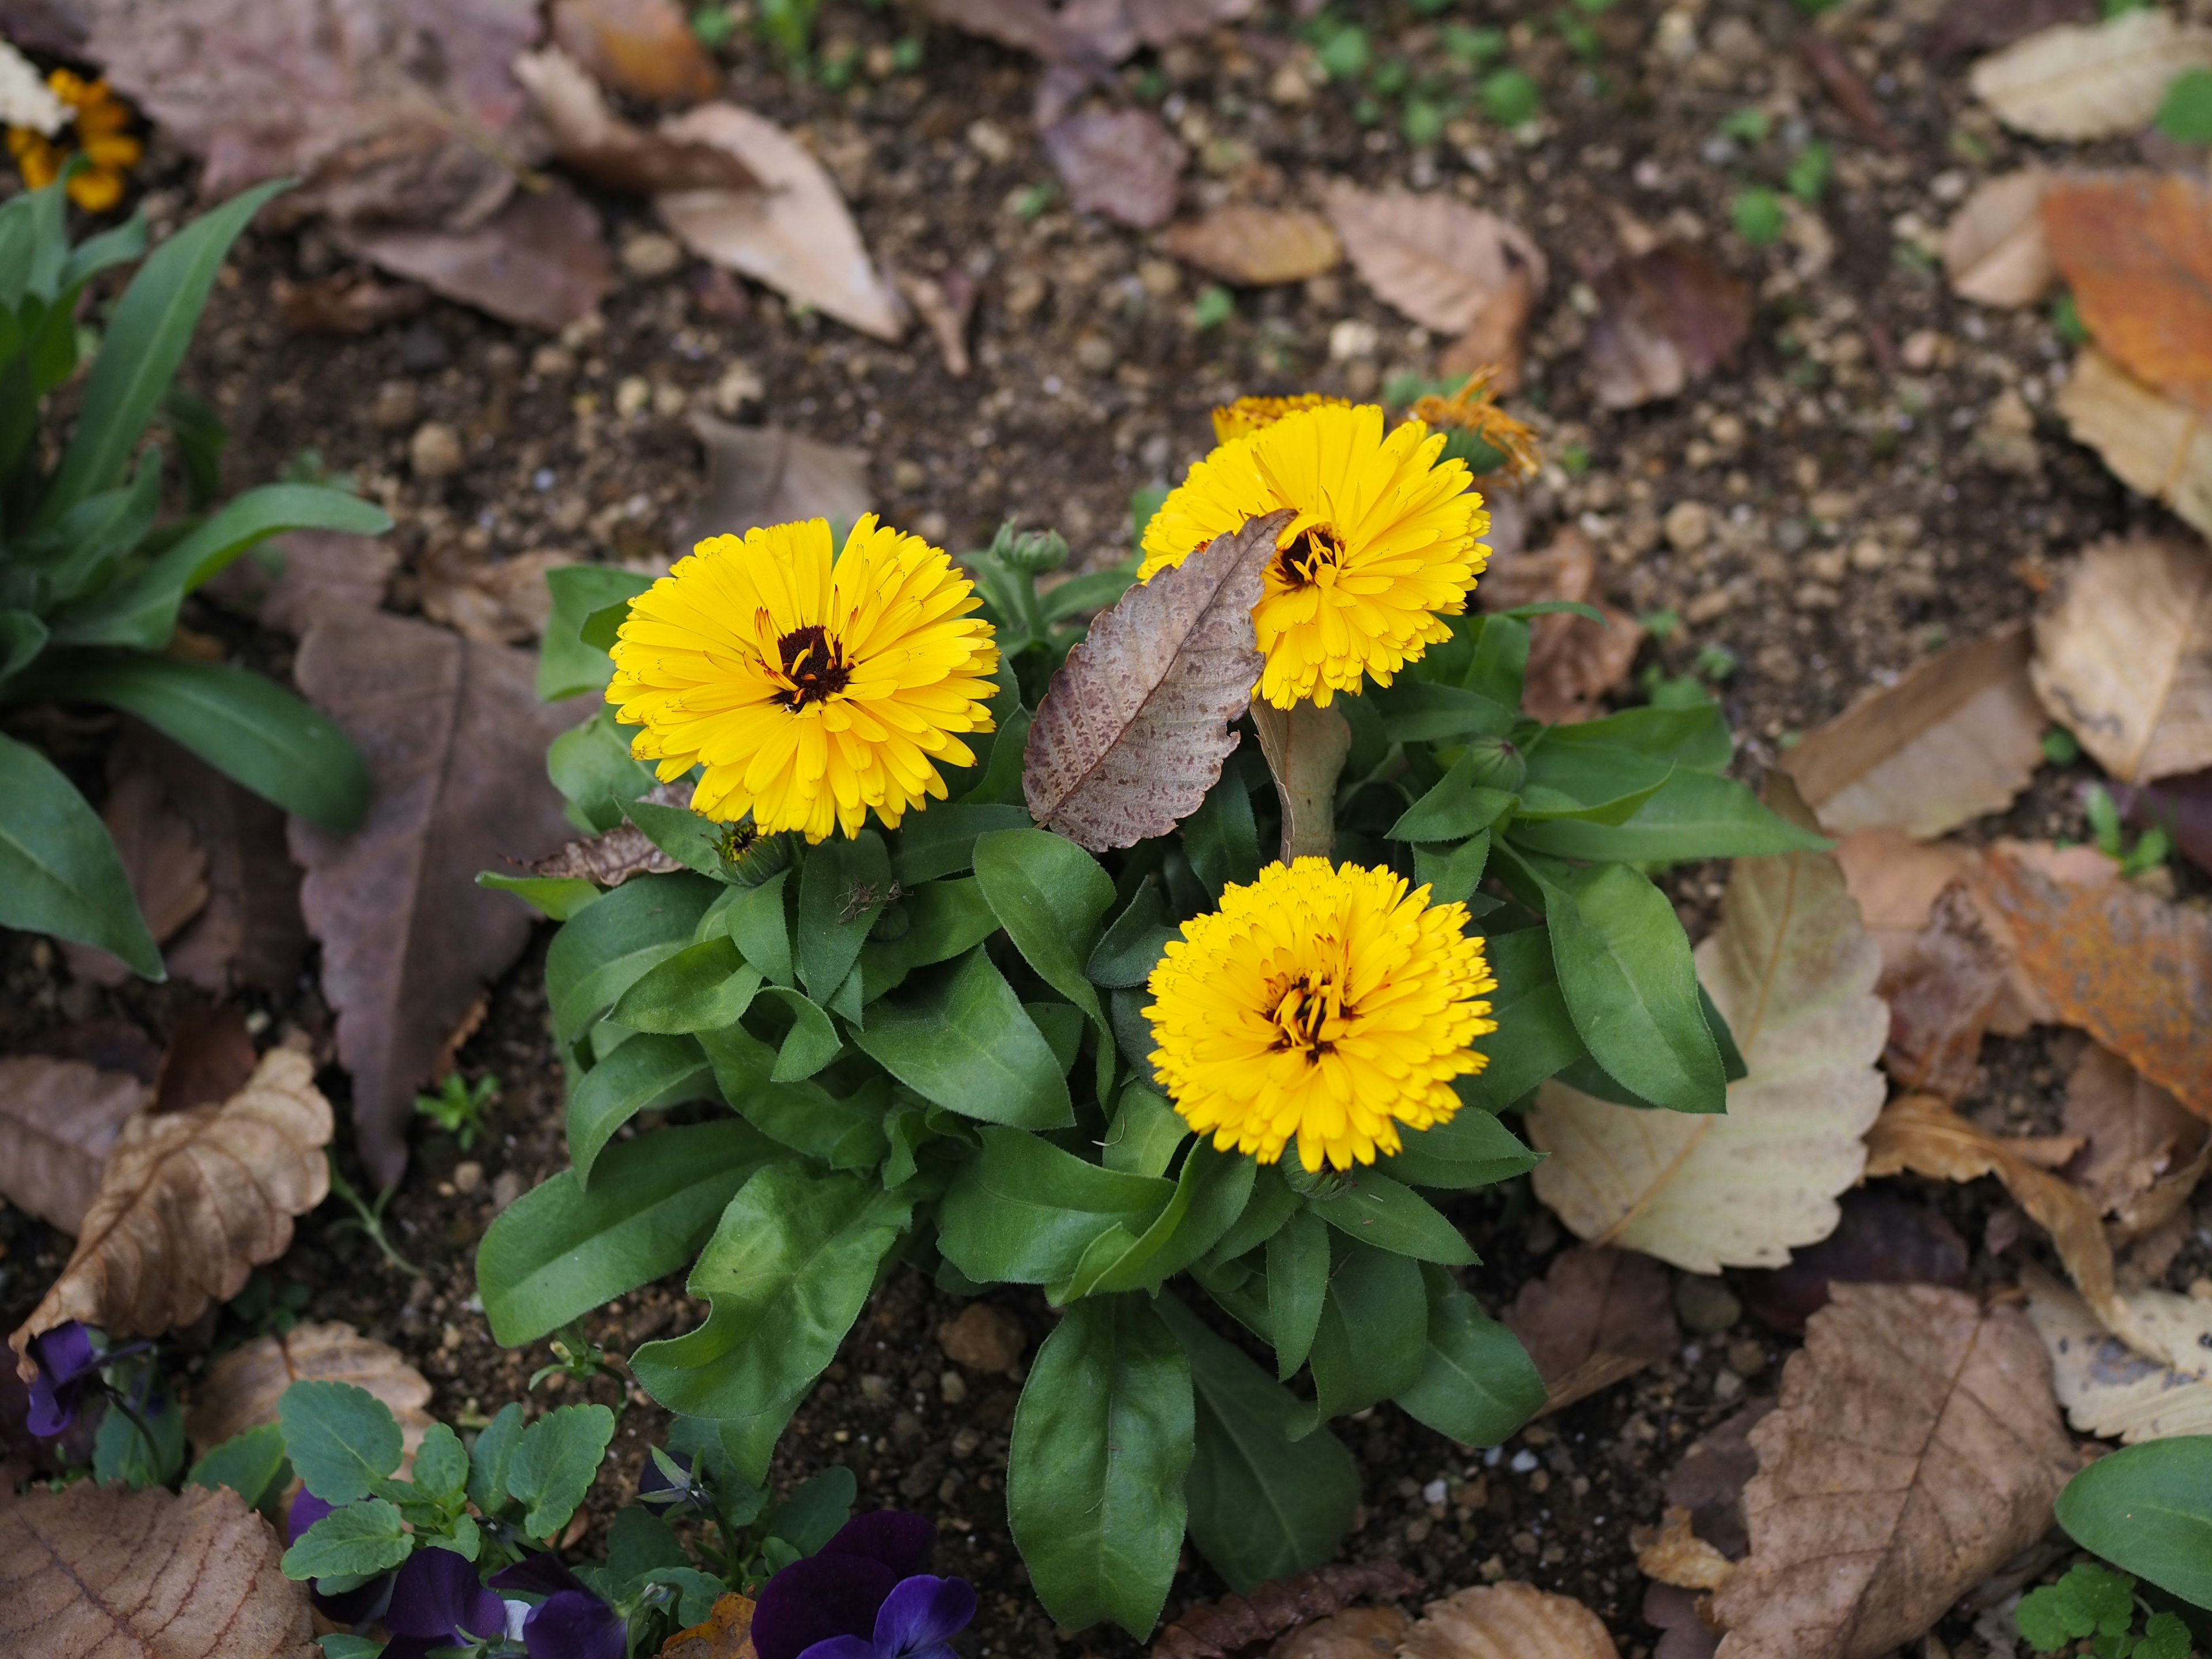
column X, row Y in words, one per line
column 2094, row 81
column 540, row 261
column 1443, row 263
column 765, row 475
column 1666, row 316
column 1123, row 163
column 312, row 567
column 57, row 1120
column 104, row 1572
column 455, row 738
column 2106, row 1387
column 1305, row 747
column 1256, row 247
column 1138, row 721
column 1995, row 251
column 1597, row 1316
column 611, row 151
column 2154, row 446
column 240, row 1390
column 164, row 859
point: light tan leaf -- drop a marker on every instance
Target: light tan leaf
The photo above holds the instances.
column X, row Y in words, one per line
column 1441, row 262
column 795, row 234
column 2090, row 80
column 1666, row 315
column 1959, row 735
column 104, row 1572
column 1792, row 970
column 57, row 1120
column 1135, row 726
column 1676, row 1555
column 2143, row 1153
column 190, row 1203
column 2154, row 444
column 1995, row 251
column 1916, row 1449
column 1305, row 747
column 164, row 859
column 1355, row 1633
column 2124, row 659
column 1897, row 881
column 763, row 474
column 1508, row 1621
column 1255, row 245
column 2109, row 1389
column 603, row 147
column 1941, row 998
column 643, row 47
column 541, row 261
column 1572, row 662
column 945, row 302
column 240, row 1390
column 1596, row 1317
column 502, row 604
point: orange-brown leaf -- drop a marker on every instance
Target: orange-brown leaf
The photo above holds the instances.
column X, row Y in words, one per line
column 2157, row 448
column 1255, row 245
column 2137, row 248
column 2142, row 1154
column 727, row 1634
column 1508, row 1621
column 643, row 47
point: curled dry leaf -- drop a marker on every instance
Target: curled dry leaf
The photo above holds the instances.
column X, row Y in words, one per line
column 763, row 474
column 1137, row 723
column 2125, row 658
column 347, row 302
column 1236, row 1622
column 610, row 859
column 1681, row 1614
column 611, row 151
column 191, row 1202
column 1675, row 1555
column 1508, row 1621
column 1256, row 247
column 1445, row 264
column 2143, row 1153
column 1572, row 662
column 1596, row 1317
column 57, row 1120
column 2109, row 1389
column 1793, row 972
column 2154, row 444
column 163, row 859
column 455, row 738
column 643, row 47
column 1123, row 163
column 541, row 261
column 1916, row 1449
column 101, row 1572
column 1995, row 251
column 1708, row 1484
column 1882, row 1239
column 1959, row 735
column 1941, row 998
column 241, row 1389
column 1305, row 747
column 2137, row 250
column 2096, row 82
column 727, row 1632
column 1666, row 316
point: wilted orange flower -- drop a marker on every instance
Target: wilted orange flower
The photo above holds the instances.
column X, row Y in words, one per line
column 1473, row 410
column 103, row 137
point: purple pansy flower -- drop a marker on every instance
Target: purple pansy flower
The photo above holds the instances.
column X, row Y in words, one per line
column 570, row 1623
column 860, row 1597
column 69, row 1367
column 436, row 1603
column 353, row 1607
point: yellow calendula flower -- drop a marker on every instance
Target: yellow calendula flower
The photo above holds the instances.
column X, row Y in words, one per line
column 1383, row 548
column 1249, row 414
column 1473, row 410
column 1323, row 1004
column 812, row 690
column 102, row 134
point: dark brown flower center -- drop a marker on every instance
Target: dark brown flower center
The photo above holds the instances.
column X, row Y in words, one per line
column 1300, row 564
column 814, row 667
column 1302, row 1012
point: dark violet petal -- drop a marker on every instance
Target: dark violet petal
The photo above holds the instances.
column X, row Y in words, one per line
column 65, row 1352
column 541, row 1574
column 841, row 1646
column 306, row 1509
column 573, row 1624
column 921, row 1613
column 358, row 1607
column 437, row 1594
column 51, row 1409
column 900, row 1541
column 813, row 1600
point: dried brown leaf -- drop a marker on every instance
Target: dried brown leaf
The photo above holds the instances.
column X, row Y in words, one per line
column 1596, row 1317
column 1896, row 881
column 241, row 1389
column 1443, row 263
column 57, row 1120
column 944, row 303
column 795, row 233
column 164, row 859
column 1882, row 1239
column 454, row 737
column 1355, row 1633
column 1847, row 89
column 347, row 302
column 1979, row 25
column 315, row 568
column 1676, row 1555
column 1995, row 251
column 190, row 1203
column 763, row 474
column 1916, row 1449
column 1305, row 747
column 210, row 1058
column 2154, row 446
column 1028, row 26
column 1234, row 1623
column 1256, row 247
column 1681, row 1614
column 2109, row 1389
column 2143, row 1153
column 2136, row 248
column 643, row 47
column 1572, row 662
column 610, row 859
column 1508, row 1621
column 1122, row 163
column 1708, row 1484
column 2097, row 80
column 105, row 1572
column 1135, row 726
column 541, row 261
column 502, row 604
column 1941, row 998
column 727, row 1632
column 1665, row 318
column 2124, row 657
column 1959, row 735
column 611, row 151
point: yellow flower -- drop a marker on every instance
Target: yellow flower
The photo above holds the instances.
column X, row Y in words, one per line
column 1321, row 1004
column 1249, row 414
column 1473, row 410
column 1383, row 549
column 102, row 120
column 809, row 691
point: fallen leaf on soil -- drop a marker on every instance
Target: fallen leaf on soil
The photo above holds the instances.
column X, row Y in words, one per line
column 502, row 604
column 210, row 1058
column 2124, row 659
column 1882, row 1239
column 1122, row 163
column 2181, row 806
column 347, row 302
column 1305, row 748
column 1677, row 1612
column 727, row 1632
column 455, row 740
column 1793, row 972
column 1941, row 998
column 2137, row 250
column 190, row 1203
column 1916, row 1449
column 1114, row 28
column 1676, row 1555
column 1596, row 1317
column 1995, row 251
column 1959, row 735
column 2109, row 1389
column 541, row 261
column 164, row 859
column 1508, row 1621
column 105, row 1044
column 610, row 859
column 103, row 1572
column 2154, row 445
column 1355, row 1633
column 1665, row 317
column 1445, row 264
column 1979, row 25
column 57, row 1120
column 763, row 474
column 1572, row 662
column 1897, row 880
column 1029, row 25
column 2099, row 81
column 984, row 1338
column 945, row 302
column 643, row 47
column 1217, row 1629
column 794, row 233
column 2143, row 1153
column 2129, row 968
column 611, row 151
column 1708, row 1484
column 1135, row 726
column 1256, row 247
column 240, row 1390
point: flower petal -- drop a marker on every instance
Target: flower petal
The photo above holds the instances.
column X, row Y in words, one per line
column 813, row 1600
column 921, row 1612
column 437, row 1594
column 900, row 1541
column 573, row 1624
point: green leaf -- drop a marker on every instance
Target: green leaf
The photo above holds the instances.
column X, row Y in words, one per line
column 120, row 1452
column 810, row 1044
column 1478, row 1384
column 683, row 835
column 96, row 533
column 645, row 1074
column 610, row 946
column 1222, row 838
column 639, row 1543
column 1101, row 1440
column 943, row 919
column 1209, row 1196
column 491, row 1457
column 441, row 1467
column 2148, row 1509
column 341, row 1439
column 1373, row 1336
column 350, row 1540
column 558, row 1252
column 592, row 766
column 1092, row 591
column 1297, row 1284
column 1372, row 1207
column 845, row 1134
column 1470, row 1148
column 1694, row 815
column 1261, row 1505
column 811, row 1517
column 200, row 436
column 116, row 245
column 841, row 891
column 249, row 1464
column 942, row 841
column 555, row 1463
column 1417, row 711
column 249, row 728
column 761, row 930
column 1694, row 740
column 702, row 987
column 1454, row 809
column 1023, row 1211
column 1132, row 946
column 59, row 871
column 2165, row 1637
column 1536, row 1035
column 559, row 897
column 2185, row 114
column 1500, row 667
column 1142, row 1139
column 339, row 1645
column 566, row 665
column 1604, row 785
column 964, row 1042
column 1272, row 1204
column 1050, row 896
column 23, row 637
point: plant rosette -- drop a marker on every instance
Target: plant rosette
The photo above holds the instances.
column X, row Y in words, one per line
column 978, row 963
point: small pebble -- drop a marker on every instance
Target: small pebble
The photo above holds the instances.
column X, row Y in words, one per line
column 434, row 451
column 650, row 254
column 1353, row 338
column 395, row 406
column 1522, row 1462
column 953, row 1388
column 1687, row 526
column 468, row 1175
column 1706, row 1305
column 506, row 1186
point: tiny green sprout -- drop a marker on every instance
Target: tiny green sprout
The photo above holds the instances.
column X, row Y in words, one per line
column 1368, row 111
column 1344, row 52
column 905, row 55
column 1660, row 624
column 575, row 1356
column 460, row 1106
column 1031, row 203
column 2152, row 848
column 1576, row 459
column 2066, row 320
column 2122, row 7
column 1150, row 86
column 1431, row 7
column 1759, row 217
column 1510, row 97
column 1714, row 663
column 712, row 26
column 1748, row 125
column 1810, row 172
column 2095, row 1603
column 367, row 1217
column 1390, row 78
column 1475, row 48
column 1214, row 305
column 1422, row 122
column 2186, row 116
column 2061, row 747
column 1582, row 39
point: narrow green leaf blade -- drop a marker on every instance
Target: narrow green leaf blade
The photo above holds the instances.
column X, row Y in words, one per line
column 966, row 1044
column 59, row 871
column 1478, row 1384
